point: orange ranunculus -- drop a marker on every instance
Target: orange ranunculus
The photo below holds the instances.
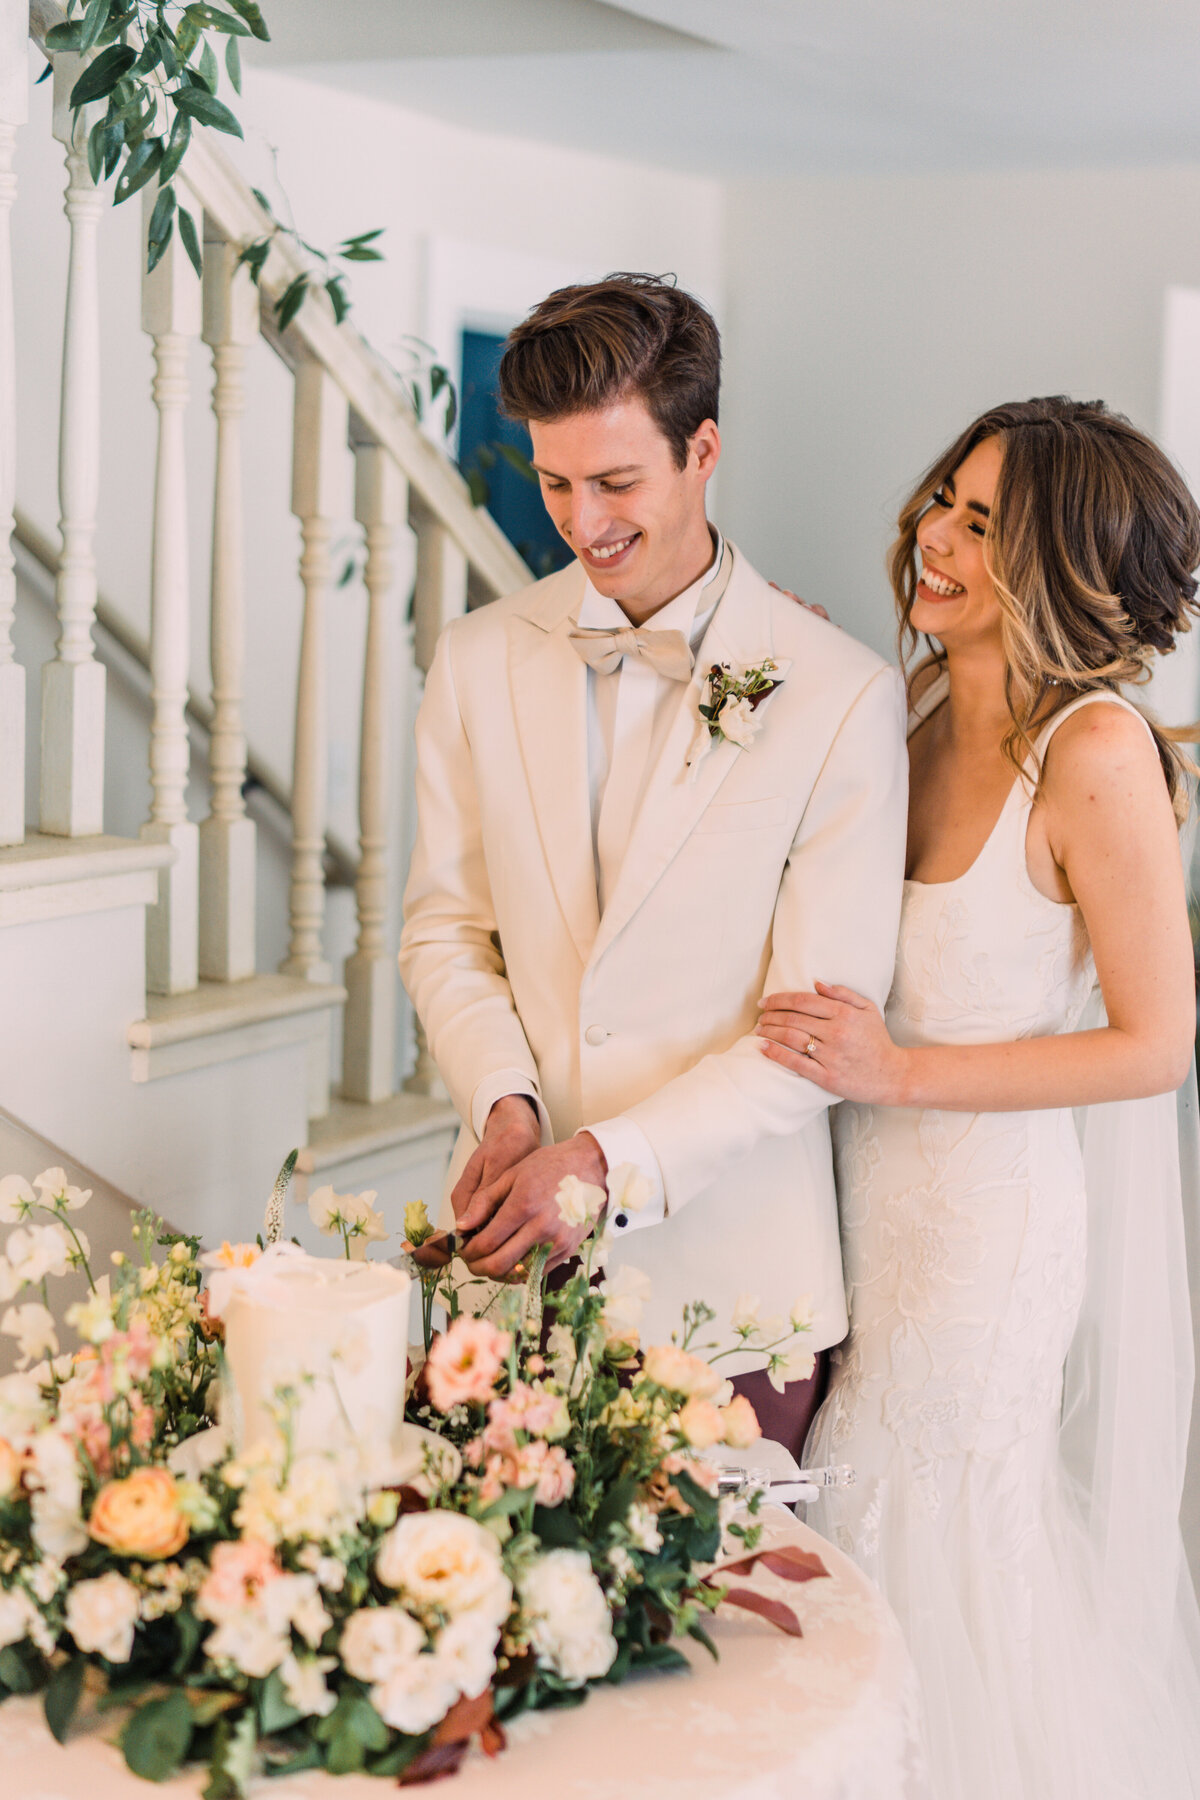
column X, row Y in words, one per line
column 140, row 1515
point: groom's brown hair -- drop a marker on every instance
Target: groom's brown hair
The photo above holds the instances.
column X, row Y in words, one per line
column 587, row 347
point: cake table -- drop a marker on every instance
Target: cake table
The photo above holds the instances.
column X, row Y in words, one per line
column 831, row 1716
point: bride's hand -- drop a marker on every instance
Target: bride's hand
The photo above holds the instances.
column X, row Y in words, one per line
column 808, row 605
column 836, row 1038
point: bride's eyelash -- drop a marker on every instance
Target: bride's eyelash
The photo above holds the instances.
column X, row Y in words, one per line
column 942, row 499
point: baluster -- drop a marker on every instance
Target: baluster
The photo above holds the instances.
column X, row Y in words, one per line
column 171, row 315
column 72, row 776
column 441, row 591
column 441, row 595
column 318, row 450
column 14, row 88
column 369, row 1044
column 227, row 836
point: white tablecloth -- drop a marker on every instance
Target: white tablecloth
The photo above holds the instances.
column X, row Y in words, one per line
column 830, row 1716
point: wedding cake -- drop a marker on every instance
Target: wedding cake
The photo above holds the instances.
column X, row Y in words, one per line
column 335, row 1334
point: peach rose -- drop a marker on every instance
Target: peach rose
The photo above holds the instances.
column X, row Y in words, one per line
column 701, row 1424
column 671, row 1367
column 10, row 1469
column 740, row 1422
column 464, row 1362
column 140, row 1515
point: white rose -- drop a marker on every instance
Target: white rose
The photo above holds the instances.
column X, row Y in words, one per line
column 465, row 1652
column 571, row 1630
column 57, row 1531
column 16, row 1612
column 738, row 723
column 16, row 1199
column 579, row 1202
column 625, row 1295
column 246, row 1640
column 415, row 1695
column 628, row 1189
column 445, row 1559
column 304, row 1684
column 33, row 1328
column 642, row 1527
column 377, row 1640
column 101, row 1615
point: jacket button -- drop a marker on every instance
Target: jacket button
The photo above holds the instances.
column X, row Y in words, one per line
column 595, row 1034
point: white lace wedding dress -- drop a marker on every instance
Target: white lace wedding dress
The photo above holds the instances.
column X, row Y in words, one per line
column 1029, row 1543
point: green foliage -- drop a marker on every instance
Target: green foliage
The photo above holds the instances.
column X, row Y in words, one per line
column 351, row 1732
column 157, row 1738
column 62, row 1696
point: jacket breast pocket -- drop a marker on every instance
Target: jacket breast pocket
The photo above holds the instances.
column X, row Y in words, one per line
column 743, row 815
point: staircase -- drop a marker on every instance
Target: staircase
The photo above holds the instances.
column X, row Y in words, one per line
column 141, row 1029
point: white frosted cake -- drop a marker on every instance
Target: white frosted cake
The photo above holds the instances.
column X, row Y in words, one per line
column 334, row 1331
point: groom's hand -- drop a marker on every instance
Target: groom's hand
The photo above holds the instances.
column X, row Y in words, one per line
column 529, row 1214
column 511, row 1133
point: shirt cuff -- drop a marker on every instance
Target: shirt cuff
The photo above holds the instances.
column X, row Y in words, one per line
column 496, row 1087
column 622, row 1141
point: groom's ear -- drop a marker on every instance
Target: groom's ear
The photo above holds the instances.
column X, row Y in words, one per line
column 704, row 449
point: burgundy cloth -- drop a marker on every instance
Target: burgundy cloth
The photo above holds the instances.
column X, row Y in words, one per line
column 786, row 1417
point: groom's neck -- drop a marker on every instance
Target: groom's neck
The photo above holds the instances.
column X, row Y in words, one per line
column 694, row 559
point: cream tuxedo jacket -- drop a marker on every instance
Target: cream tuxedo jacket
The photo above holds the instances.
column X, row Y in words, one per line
column 772, row 866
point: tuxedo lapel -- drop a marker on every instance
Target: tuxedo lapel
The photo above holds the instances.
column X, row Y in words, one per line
column 549, row 693
column 676, row 797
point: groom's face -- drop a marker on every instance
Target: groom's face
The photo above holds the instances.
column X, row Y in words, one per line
column 615, row 491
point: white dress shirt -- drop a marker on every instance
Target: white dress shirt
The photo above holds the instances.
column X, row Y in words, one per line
column 629, row 713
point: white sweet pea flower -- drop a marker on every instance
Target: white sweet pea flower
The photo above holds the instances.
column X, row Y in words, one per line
column 625, row 1294
column 55, row 1190
column 304, row 1684
column 17, row 1199
column 33, row 1328
column 745, row 1312
column 35, row 1251
column 324, row 1206
column 579, row 1202
column 22, row 1407
column 737, row 722
column 802, row 1313
column 628, row 1189
column 101, row 1616
column 92, row 1318
column 795, row 1365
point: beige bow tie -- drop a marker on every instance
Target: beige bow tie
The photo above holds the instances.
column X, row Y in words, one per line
column 667, row 652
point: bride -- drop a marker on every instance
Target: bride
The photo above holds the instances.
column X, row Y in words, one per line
column 1015, row 1390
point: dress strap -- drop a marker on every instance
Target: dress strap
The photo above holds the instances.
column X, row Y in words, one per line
column 1097, row 697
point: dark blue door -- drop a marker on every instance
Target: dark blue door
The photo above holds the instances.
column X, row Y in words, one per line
column 513, row 500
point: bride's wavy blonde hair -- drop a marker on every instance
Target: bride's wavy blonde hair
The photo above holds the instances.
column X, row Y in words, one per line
column 1091, row 546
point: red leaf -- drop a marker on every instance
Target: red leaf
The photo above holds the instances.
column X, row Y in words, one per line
column 466, row 1718
column 785, row 1560
column 434, row 1764
column 774, row 1611
column 492, row 1739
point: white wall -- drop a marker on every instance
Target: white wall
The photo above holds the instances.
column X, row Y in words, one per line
column 869, row 319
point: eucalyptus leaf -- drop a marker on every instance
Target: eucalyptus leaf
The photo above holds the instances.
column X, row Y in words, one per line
column 186, row 38
column 162, row 224
column 275, row 1710
column 177, row 143
column 262, row 200
column 167, row 51
column 290, row 301
column 156, row 1739
column 250, row 11
column 94, row 21
column 65, row 36
column 62, row 1696
column 451, row 409
column 209, row 69
column 337, row 294
column 102, row 76
column 189, row 237
column 477, row 487
column 233, row 64
column 141, row 166
column 516, row 459
column 361, row 253
column 202, row 105
column 95, row 151
column 212, row 18
column 45, row 75
column 363, row 237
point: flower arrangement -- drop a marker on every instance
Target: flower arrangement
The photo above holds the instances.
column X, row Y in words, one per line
column 271, row 1609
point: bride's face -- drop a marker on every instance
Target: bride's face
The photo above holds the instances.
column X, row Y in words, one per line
column 955, row 600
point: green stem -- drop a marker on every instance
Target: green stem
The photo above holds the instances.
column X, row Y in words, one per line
column 535, row 1293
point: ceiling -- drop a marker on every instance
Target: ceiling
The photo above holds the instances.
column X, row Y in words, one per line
column 758, row 87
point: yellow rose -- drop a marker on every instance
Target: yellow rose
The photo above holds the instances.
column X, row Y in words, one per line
column 140, row 1515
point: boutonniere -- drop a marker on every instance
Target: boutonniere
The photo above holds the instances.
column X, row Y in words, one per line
column 729, row 704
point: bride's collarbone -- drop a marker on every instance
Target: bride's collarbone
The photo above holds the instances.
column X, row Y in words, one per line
column 956, row 798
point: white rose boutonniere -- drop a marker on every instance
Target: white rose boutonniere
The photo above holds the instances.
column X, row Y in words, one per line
column 729, row 705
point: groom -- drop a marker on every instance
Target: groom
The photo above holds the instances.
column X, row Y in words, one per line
column 602, row 888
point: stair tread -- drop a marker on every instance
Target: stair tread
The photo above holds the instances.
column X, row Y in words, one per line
column 216, row 1006
column 43, row 859
column 352, row 1128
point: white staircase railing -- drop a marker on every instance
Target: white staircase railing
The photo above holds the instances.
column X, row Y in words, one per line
column 202, row 930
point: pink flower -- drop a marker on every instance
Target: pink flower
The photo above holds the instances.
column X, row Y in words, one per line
column 556, row 1481
column 534, row 1410
column 464, row 1362
column 741, row 1423
column 239, row 1572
